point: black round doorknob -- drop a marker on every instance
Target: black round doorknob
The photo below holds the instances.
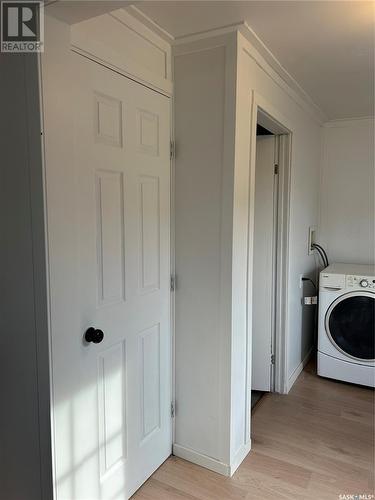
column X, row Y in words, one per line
column 94, row 335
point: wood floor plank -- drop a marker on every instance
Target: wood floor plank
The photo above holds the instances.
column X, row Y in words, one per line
column 154, row 489
column 199, row 482
column 315, row 443
column 310, row 459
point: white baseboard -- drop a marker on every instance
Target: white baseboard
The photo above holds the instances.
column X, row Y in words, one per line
column 211, row 463
column 293, row 377
column 240, row 456
column 202, row 460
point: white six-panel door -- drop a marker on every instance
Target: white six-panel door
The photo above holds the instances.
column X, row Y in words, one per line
column 111, row 400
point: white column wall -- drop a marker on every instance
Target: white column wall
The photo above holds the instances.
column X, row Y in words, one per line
column 204, row 76
column 215, row 80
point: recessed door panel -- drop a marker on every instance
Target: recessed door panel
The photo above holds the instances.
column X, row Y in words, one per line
column 150, row 380
column 107, row 120
column 148, row 132
column 150, row 233
column 110, row 236
column 112, row 400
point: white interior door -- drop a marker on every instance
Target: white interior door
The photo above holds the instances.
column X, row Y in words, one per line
column 264, row 263
column 109, row 226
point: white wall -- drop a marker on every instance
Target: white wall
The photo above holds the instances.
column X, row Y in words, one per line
column 197, row 202
column 204, row 76
column 257, row 80
column 213, row 152
column 347, row 211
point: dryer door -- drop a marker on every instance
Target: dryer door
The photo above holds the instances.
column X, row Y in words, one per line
column 350, row 325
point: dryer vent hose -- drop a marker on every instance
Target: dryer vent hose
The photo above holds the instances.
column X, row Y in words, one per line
column 322, row 253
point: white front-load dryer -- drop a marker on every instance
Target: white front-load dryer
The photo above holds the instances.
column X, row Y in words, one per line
column 346, row 332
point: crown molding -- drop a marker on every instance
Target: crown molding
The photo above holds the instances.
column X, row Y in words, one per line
column 358, row 121
column 271, row 60
column 150, row 23
column 259, row 51
column 203, row 35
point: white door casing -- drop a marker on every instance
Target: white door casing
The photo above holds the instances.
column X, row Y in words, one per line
column 264, row 263
column 110, row 270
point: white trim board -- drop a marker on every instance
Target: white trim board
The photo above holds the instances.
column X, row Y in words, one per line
column 149, row 35
column 298, row 370
column 211, row 463
column 153, row 70
column 259, row 103
column 202, row 460
column 239, row 457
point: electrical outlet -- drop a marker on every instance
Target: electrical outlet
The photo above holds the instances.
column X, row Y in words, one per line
column 310, row 301
column 311, row 240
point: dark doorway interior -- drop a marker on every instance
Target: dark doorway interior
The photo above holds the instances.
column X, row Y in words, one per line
column 255, row 398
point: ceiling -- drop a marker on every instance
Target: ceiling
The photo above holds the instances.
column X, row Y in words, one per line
column 75, row 11
column 326, row 46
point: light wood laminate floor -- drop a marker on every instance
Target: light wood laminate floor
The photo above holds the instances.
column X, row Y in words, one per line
column 315, row 443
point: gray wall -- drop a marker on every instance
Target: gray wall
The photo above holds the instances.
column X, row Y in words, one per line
column 25, row 463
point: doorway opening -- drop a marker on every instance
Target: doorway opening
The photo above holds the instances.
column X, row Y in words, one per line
column 270, row 256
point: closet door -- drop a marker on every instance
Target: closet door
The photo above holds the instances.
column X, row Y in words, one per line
column 109, row 244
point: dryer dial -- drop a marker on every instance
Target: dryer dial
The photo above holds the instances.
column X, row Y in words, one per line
column 364, row 283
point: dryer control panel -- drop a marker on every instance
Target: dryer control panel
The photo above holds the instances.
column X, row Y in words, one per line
column 360, row 282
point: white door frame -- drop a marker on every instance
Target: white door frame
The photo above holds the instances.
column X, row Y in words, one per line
column 173, row 267
column 273, row 120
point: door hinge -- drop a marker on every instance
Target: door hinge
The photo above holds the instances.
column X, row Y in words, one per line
column 272, row 359
column 173, row 282
column 172, row 150
column 172, row 409
column 276, row 169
